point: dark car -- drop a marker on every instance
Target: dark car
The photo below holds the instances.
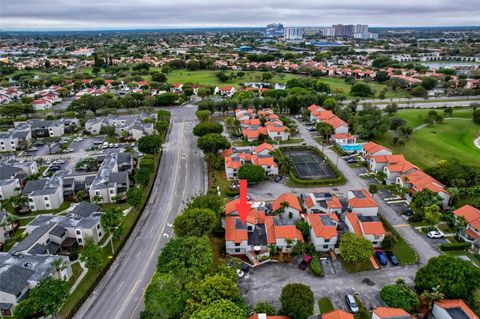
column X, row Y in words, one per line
column 382, row 259
column 393, row 259
column 278, row 178
column 305, row 262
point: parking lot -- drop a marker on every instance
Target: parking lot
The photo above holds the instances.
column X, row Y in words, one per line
column 265, row 283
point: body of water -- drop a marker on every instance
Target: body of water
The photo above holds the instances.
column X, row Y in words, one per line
column 448, row 64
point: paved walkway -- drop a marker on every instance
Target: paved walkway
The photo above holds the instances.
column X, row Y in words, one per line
column 79, row 279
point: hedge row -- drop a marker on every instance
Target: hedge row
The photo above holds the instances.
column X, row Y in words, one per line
column 455, row 246
column 339, row 180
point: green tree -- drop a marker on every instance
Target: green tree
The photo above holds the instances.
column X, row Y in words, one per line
column 212, row 143
column 210, row 201
column 149, row 144
column 165, row 297
column 203, row 115
column 330, row 103
column 297, row 301
column 92, row 255
column 213, row 288
column 142, row 176
column 425, row 198
column 46, row 298
column 400, row 296
column 189, row 258
column 419, row 91
column 205, row 128
column 195, row 222
column 432, row 214
column 88, row 163
column 252, row 173
column 222, row 77
column 134, row 196
column 476, row 116
column 429, row 83
column 325, row 130
column 220, row 309
column 476, row 301
column 391, row 109
column 428, row 298
column 361, row 90
column 355, row 249
column 454, row 277
column 370, row 122
column 373, row 189
column 322, row 87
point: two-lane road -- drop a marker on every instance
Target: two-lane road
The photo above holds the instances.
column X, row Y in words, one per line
column 181, row 175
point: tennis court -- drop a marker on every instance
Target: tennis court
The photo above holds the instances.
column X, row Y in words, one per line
column 309, row 165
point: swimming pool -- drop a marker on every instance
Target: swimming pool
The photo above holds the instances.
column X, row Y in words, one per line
column 351, row 147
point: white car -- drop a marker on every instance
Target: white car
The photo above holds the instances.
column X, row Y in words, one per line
column 110, row 145
column 240, row 273
column 57, row 162
column 435, row 234
column 116, row 145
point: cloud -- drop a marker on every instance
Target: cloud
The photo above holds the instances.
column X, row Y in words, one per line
column 94, row 14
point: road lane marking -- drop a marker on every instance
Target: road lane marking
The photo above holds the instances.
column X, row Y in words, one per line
column 401, row 225
column 121, row 284
column 138, row 255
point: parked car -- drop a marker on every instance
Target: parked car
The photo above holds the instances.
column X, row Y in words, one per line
column 278, row 178
column 305, row 262
column 132, row 144
column 110, row 145
column 351, row 304
column 382, row 259
column 434, row 234
column 393, row 259
column 116, row 145
column 240, row 273
column 408, row 212
column 59, row 161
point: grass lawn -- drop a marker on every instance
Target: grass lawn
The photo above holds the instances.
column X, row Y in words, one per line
column 292, row 141
column 416, row 117
column 62, row 207
column 325, row 305
column 218, row 251
column 218, row 178
column 76, row 272
column 363, row 266
column 207, row 77
column 406, row 255
column 450, row 140
column 474, row 259
column 25, row 221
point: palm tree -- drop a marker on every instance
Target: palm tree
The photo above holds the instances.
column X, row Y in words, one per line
column 427, row 298
column 59, row 265
column 459, row 226
column 285, row 163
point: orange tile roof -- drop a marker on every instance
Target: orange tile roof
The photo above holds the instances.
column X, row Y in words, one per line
column 337, row 314
column 290, row 198
column 308, row 201
column 324, row 115
column 226, row 88
column 255, row 122
column 373, row 228
column 387, row 312
column 469, row 213
column 288, row 232
column 319, row 228
column 336, row 122
column 401, row 167
column 231, row 163
column 342, row 136
column 227, row 152
column 314, row 107
column 389, row 159
column 368, row 201
column 334, row 202
column 422, row 180
column 231, row 206
column 471, row 233
column 457, row 303
column 372, row 147
column 355, row 222
column 232, row 233
column 264, row 146
column 270, row 229
column 275, row 128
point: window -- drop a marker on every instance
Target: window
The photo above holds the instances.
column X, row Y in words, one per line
column 327, row 240
column 78, row 232
column 374, row 242
column 237, row 244
column 237, row 250
column 32, row 207
column 98, row 226
column 97, row 193
column 45, row 197
column 79, row 240
column 325, row 246
column 47, row 205
column 112, row 191
column 100, row 234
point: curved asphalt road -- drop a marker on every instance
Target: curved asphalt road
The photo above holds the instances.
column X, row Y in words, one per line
column 119, row 295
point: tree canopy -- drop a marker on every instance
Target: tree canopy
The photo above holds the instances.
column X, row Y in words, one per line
column 354, row 248
column 297, row 301
column 212, row 143
column 207, row 127
column 149, row 144
column 252, row 173
column 195, row 222
column 400, row 296
column 455, row 277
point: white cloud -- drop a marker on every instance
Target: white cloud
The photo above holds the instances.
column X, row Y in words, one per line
column 94, row 14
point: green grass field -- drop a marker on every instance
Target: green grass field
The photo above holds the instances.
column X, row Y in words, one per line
column 452, row 139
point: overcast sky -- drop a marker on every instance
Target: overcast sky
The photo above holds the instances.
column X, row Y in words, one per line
column 113, row 14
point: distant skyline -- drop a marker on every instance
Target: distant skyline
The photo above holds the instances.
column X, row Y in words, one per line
column 147, row 14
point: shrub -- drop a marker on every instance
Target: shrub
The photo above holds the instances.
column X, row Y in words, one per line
column 316, row 267
column 455, row 246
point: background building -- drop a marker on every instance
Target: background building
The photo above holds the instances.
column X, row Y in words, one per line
column 343, row 30
column 293, row 33
column 274, row 30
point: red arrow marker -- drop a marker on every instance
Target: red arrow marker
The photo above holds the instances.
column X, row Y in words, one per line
column 243, row 207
